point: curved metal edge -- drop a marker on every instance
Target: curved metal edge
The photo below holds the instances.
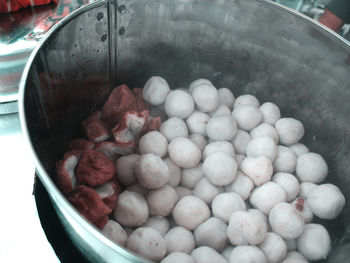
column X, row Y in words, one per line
column 54, row 192
column 317, row 25
column 46, row 179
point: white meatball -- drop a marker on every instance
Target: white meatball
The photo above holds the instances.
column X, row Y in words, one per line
column 221, row 128
column 190, row 212
column 241, row 185
column 161, row 224
column 246, row 99
column 289, row 183
column 115, row 232
column 291, row 244
column 206, row 254
column 262, row 216
column 182, row 191
column 191, row 176
column 179, row 103
column 246, row 227
column 198, row 140
column 221, row 110
column 262, row 146
column 289, row 130
column 259, row 169
column 299, row 149
column 274, row 248
column 206, row 97
column 247, row 117
column 226, row 253
column 263, row 130
column 240, row 141
column 136, row 187
column 125, row 169
column 285, row 221
column 153, row 142
column 179, row 239
column 226, row 97
column 206, row 191
column 306, row 188
column 216, row 146
column 314, row 243
column 155, row 90
column 184, row 152
column 220, row 168
column 326, row 201
column 301, row 206
column 161, row 201
column 271, row 112
column 295, row 257
column 285, row 160
column 173, row 127
column 151, row 171
column 197, row 83
column 174, row 172
column 197, row 122
column 247, row 254
column 266, row 196
column 211, row 233
column 131, row 209
column 311, row 167
column 176, row 257
column 226, row 204
column 148, row 243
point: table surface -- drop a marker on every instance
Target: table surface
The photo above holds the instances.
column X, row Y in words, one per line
column 22, row 237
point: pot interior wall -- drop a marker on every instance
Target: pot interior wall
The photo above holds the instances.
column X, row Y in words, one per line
column 248, row 46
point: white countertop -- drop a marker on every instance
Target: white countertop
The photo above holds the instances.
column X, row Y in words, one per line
column 22, row 238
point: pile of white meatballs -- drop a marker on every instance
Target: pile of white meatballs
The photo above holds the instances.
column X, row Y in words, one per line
column 224, row 179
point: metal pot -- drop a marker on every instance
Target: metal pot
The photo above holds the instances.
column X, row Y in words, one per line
column 249, row 46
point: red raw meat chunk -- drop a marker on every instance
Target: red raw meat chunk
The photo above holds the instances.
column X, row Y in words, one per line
column 65, row 177
column 94, row 168
column 113, row 150
column 153, row 124
column 80, row 144
column 141, row 104
column 87, row 201
column 109, row 193
column 102, row 222
column 96, row 129
column 119, row 101
column 77, row 153
column 128, row 130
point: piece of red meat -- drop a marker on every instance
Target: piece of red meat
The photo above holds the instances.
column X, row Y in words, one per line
column 109, row 193
column 141, row 104
column 94, row 168
column 87, row 201
column 112, row 149
column 119, row 101
column 65, row 172
column 80, row 144
column 128, row 130
column 153, row 124
column 96, row 130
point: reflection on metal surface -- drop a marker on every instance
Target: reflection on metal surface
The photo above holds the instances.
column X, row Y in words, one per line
column 20, row 32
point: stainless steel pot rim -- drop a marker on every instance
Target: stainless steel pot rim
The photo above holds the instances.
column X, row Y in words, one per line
column 50, row 186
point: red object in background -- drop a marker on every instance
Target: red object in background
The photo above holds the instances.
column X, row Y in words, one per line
column 331, row 21
column 7, row 6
